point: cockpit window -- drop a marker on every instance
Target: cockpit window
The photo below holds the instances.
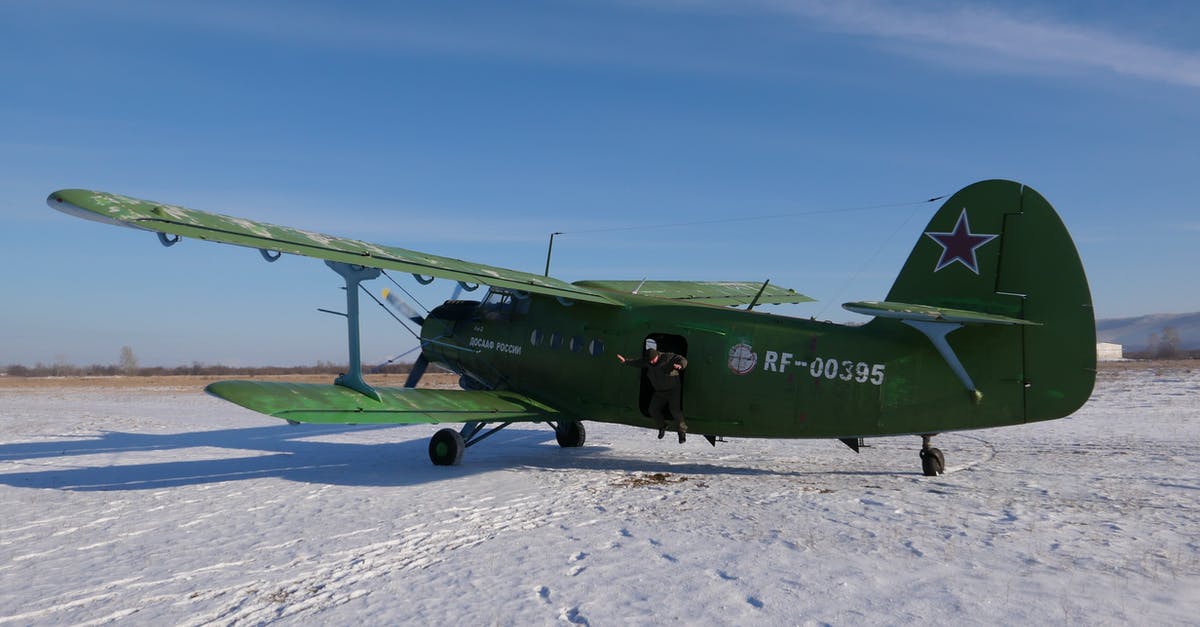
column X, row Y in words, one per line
column 500, row 304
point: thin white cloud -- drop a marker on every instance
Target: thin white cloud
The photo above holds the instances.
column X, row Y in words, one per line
column 1032, row 41
column 976, row 35
column 507, row 32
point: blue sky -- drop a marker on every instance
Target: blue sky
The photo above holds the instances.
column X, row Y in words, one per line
column 476, row 129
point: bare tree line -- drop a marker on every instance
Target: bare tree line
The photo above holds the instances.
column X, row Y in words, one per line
column 128, row 365
column 1165, row 345
column 196, row 368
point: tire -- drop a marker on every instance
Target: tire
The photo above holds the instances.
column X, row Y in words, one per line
column 941, row 461
column 932, row 462
column 446, row 448
column 570, row 434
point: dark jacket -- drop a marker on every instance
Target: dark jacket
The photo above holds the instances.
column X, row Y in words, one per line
column 663, row 375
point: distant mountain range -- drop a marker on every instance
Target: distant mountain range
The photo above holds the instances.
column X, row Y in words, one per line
column 1134, row 333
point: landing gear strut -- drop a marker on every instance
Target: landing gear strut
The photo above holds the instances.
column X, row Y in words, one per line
column 446, row 447
column 932, row 461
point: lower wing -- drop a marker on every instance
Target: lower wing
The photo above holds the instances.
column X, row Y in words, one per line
column 327, row 403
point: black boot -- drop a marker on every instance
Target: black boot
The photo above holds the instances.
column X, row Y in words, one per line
column 682, row 433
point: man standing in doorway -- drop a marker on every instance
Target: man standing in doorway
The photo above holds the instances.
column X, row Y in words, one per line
column 663, row 370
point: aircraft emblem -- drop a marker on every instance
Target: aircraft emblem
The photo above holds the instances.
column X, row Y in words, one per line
column 742, row 358
column 960, row 244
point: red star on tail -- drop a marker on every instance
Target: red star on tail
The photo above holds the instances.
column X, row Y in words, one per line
column 960, row 244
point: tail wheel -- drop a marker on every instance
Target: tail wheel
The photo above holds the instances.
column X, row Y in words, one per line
column 446, row 448
column 932, row 462
column 570, row 434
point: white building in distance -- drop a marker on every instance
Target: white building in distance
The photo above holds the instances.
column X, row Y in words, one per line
column 1106, row 351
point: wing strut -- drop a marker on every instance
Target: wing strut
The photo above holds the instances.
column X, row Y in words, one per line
column 354, row 275
column 470, row 431
column 758, row 295
column 937, row 332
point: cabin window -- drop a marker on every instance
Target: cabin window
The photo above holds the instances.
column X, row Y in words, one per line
column 535, row 338
column 555, row 340
column 596, row 347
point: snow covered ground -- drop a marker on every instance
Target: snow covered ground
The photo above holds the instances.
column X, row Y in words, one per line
column 165, row 506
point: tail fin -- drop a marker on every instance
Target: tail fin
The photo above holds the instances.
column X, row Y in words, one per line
column 999, row 249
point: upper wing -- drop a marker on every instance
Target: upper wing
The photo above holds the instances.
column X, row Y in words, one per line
column 710, row 292
column 170, row 219
column 327, row 403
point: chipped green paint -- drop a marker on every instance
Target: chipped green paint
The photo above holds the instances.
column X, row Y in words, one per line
column 906, row 311
column 707, row 292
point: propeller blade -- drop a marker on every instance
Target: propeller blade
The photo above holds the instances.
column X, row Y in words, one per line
column 418, row 370
column 389, row 361
column 404, row 308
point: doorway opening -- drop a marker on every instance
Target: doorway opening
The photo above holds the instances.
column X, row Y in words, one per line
column 663, row 343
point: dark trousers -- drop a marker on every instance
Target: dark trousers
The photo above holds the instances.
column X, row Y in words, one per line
column 665, row 401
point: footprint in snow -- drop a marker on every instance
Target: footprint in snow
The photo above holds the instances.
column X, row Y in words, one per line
column 578, row 557
column 918, row 552
column 572, row 615
column 755, row 602
column 725, row 576
column 543, row 593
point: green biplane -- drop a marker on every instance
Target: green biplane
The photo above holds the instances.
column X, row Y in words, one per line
column 989, row 323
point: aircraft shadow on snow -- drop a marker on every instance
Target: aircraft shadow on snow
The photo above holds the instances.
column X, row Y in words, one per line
column 296, row 453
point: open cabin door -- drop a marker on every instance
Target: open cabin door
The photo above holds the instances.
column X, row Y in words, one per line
column 663, row 343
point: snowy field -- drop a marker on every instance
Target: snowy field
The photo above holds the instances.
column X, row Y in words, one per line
column 164, row 506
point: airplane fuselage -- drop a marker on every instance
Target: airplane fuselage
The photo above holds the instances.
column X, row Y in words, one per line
column 750, row 374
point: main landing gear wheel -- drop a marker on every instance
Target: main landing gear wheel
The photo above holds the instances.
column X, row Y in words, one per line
column 570, row 433
column 446, row 448
column 933, row 463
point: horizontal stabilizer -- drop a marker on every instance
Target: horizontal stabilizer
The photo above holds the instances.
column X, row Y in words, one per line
column 327, row 403
column 708, row 292
column 906, row 311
